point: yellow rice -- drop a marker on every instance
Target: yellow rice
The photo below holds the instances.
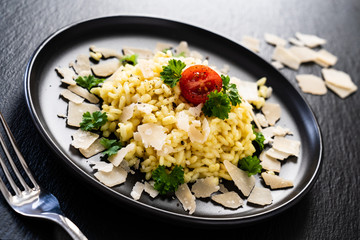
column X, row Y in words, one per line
column 229, row 139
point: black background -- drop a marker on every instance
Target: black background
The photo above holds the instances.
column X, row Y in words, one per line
column 329, row 211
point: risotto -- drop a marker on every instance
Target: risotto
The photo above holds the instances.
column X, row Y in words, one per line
column 135, row 98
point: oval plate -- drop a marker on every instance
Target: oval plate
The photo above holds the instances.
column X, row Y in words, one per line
column 43, row 86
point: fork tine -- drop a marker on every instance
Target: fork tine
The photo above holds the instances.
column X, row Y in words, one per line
column 4, row 189
column 19, row 155
column 7, row 173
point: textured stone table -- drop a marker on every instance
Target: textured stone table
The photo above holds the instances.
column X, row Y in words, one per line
column 329, row 211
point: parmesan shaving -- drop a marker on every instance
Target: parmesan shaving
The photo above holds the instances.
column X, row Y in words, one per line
column 82, row 92
column 260, row 196
column 149, row 188
column 102, row 166
column 276, row 182
column 338, row 78
column 71, row 96
column 95, row 148
column 185, row 197
column 285, row 145
column 228, row 199
column 272, row 112
column 117, row 158
column 76, row 111
column 247, row 90
column 82, row 65
column 311, row 84
column 325, row 58
column 152, row 135
column 271, row 152
column 67, row 74
column 196, row 135
column 183, row 121
column 141, row 52
column 106, row 69
column 106, row 52
column 251, row 43
column 274, row 40
column 304, row 54
column 110, row 179
column 240, row 178
column 137, row 190
column 204, row 187
column 286, row 57
column 310, row 41
column 269, row 163
column 83, row 139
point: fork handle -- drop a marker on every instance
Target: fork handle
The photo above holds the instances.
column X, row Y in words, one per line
column 68, row 226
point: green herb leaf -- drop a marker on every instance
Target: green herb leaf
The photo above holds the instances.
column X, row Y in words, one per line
column 89, row 81
column 93, row 121
column 167, row 182
column 258, row 143
column 217, row 105
column 231, row 90
column 171, row 73
column 251, row 164
column 112, row 146
column 129, row 59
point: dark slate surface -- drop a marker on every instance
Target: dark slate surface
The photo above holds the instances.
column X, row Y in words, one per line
column 329, row 211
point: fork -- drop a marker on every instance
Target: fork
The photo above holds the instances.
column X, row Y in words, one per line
column 31, row 201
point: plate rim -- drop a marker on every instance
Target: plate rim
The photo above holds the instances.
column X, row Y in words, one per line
column 199, row 220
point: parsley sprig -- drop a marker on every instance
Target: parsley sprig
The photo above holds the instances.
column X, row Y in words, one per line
column 218, row 103
column 93, row 121
column 89, row 81
column 167, row 182
column 112, row 146
column 251, row 165
column 171, row 73
column 129, row 59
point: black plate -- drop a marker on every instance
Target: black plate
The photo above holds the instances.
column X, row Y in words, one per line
column 42, row 88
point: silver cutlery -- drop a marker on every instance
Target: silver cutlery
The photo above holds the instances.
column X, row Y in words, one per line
column 26, row 200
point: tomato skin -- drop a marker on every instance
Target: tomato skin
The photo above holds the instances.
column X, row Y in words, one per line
column 197, row 82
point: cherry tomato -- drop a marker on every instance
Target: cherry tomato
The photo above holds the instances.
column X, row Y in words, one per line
column 197, row 82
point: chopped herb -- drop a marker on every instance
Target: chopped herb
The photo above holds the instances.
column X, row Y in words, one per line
column 251, row 165
column 89, row 81
column 171, row 73
column 93, row 121
column 167, row 182
column 112, row 146
column 217, row 105
column 129, row 59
